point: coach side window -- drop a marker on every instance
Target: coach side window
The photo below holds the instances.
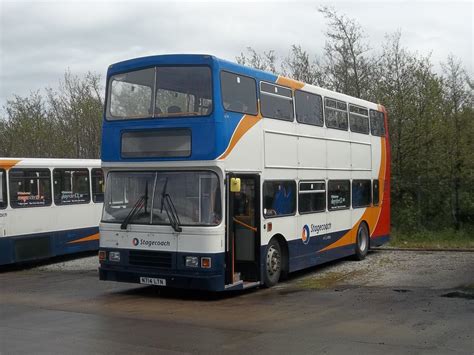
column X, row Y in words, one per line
column 336, row 114
column 30, row 187
column 377, row 123
column 279, row 198
column 361, row 193
column 339, row 194
column 309, row 108
column 239, row 93
column 375, row 192
column 276, row 101
column 71, row 186
column 312, row 196
column 3, row 189
column 359, row 119
column 98, row 185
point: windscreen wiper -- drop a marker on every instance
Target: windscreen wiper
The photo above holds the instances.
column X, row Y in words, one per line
column 163, row 194
column 173, row 216
column 141, row 202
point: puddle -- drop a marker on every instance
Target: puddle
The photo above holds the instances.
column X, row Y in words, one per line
column 459, row 294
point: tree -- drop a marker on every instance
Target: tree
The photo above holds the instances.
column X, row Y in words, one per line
column 347, row 64
column 265, row 61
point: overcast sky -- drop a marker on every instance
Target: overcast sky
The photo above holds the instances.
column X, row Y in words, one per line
column 39, row 40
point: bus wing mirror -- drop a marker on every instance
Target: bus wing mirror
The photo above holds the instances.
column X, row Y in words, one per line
column 235, row 185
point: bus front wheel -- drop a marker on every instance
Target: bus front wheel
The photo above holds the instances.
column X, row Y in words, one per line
column 362, row 242
column 273, row 262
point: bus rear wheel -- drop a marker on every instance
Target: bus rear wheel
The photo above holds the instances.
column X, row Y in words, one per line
column 362, row 242
column 273, row 262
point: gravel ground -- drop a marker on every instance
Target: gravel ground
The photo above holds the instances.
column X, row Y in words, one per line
column 402, row 269
column 90, row 263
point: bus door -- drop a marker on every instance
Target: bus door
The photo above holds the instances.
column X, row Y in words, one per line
column 243, row 232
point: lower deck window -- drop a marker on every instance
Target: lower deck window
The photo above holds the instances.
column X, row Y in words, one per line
column 361, row 193
column 339, row 196
column 279, row 198
column 30, row 187
column 375, row 192
column 71, row 186
column 97, row 185
column 312, row 196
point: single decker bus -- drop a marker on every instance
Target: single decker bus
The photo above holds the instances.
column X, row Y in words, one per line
column 223, row 177
column 49, row 207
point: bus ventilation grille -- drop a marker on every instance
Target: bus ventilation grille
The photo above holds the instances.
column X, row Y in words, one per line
column 158, row 259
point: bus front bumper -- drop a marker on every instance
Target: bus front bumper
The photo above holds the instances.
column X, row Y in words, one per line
column 168, row 279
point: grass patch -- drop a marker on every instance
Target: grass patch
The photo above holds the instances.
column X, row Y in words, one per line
column 447, row 238
column 325, row 281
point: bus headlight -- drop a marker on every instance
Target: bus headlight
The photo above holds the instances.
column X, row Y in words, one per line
column 114, row 256
column 192, row 261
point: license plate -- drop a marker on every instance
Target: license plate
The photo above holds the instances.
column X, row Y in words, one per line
column 152, row 281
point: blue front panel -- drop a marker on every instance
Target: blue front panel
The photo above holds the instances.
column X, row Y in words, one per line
column 210, row 135
column 40, row 246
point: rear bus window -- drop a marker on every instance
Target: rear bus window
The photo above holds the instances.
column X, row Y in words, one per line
column 312, row 196
column 309, row 108
column 239, row 93
column 3, row 189
column 339, row 196
column 336, row 114
column 361, row 193
column 377, row 123
column 279, row 198
column 71, row 186
column 276, row 102
column 30, row 187
column 98, row 185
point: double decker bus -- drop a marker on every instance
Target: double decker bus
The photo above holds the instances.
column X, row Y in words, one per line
column 222, row 177
column 49, row 207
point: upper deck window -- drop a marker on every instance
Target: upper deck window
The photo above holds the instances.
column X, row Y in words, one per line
column 336, row 114
column 359, row 119
column 239, row 93
column 276, row 101
column 309, row 108
column 180, row 91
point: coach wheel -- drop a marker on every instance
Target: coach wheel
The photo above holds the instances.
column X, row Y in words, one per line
column 272, row 264
column 362, row 242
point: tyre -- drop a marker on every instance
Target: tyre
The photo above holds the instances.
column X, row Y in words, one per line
column 362, row 242
column 273, row 262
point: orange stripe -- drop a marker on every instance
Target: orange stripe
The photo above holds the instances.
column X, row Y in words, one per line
column 291, row 83
column 244, row 125
column 8, row 163
column 371, row 214
column 85, row 239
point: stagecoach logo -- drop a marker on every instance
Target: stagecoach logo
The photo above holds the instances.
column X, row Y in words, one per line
column 150, row 243
column 305, row 234
column 315, row 230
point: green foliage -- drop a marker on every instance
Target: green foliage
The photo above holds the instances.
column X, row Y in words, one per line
column 64, row 123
